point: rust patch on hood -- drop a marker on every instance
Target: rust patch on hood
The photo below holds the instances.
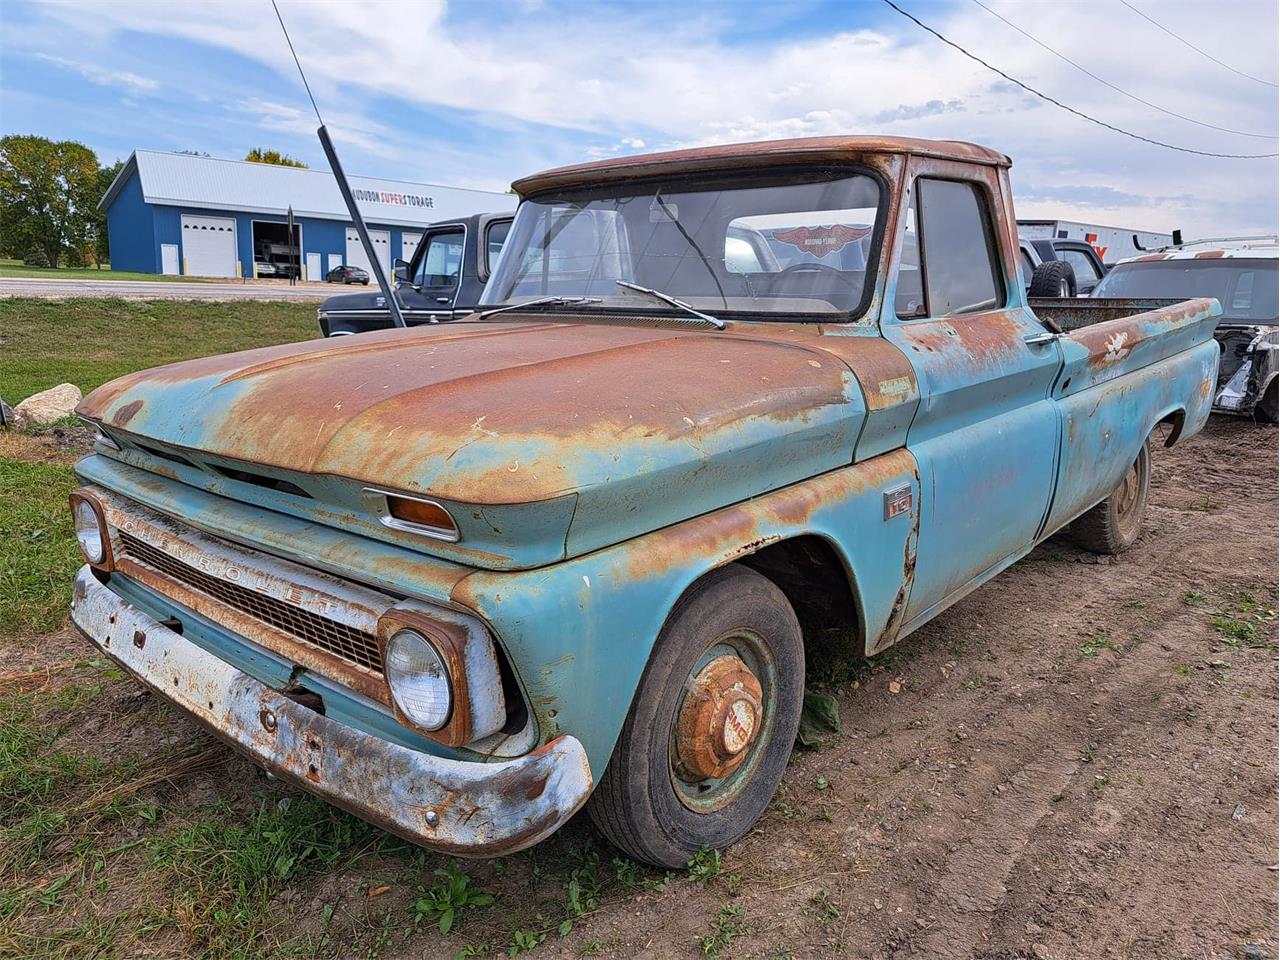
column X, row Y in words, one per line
column 483, row 413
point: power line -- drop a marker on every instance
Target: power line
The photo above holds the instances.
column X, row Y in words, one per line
column 1060, row 104
column 297, row 62
column 1188, row 43
column 1108, row 83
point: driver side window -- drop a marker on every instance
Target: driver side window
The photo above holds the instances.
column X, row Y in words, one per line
column 441, row 263
column 949, row 257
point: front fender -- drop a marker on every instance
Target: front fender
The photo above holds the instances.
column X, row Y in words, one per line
column 579, row 633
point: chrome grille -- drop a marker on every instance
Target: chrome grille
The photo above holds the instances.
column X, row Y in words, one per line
column 354, row 646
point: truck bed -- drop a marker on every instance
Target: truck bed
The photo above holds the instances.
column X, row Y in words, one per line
column 1074, row 314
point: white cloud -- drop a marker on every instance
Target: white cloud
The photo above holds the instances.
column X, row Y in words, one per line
column 344, row 126
column 103, row 77
column 618, row 78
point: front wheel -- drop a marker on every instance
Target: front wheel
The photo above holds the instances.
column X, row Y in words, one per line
column 711, row 725
column 1113, row 525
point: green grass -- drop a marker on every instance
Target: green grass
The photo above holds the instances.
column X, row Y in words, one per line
column 88, row 342
column 223, row 870
column 38, row 551
column 16, row 268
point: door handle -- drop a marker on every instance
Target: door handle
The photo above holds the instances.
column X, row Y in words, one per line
column 1036, row 339
column 442, row 299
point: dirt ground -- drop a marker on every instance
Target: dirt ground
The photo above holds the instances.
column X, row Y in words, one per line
column 1077, row 761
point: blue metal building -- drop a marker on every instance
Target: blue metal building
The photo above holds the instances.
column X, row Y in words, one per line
column 176, row 213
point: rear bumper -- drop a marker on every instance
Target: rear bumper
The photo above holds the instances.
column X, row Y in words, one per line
column 462, row 808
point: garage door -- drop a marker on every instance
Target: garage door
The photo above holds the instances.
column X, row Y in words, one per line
column 409, row 243
column 381, row 242
column 209, row 246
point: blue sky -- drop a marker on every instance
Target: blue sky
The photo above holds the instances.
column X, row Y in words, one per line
column 478, row 93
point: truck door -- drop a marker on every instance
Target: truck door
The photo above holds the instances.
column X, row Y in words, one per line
column 985, row 436
column 439, row 270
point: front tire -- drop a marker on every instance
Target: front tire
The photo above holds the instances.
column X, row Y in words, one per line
column 1113, row 526
column 712, row 723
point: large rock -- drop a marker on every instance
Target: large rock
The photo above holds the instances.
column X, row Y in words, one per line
column 47, row 406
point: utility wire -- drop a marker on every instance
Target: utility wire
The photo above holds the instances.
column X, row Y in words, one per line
column 296, row 61
column 1188, row 43
column 1060, row 104
column 1108, row 83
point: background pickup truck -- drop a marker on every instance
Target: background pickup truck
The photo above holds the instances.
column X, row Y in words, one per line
column 1081, row 271
column 443, row 280
column 574, row 549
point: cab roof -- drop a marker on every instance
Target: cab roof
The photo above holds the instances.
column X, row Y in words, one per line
column 767, row 152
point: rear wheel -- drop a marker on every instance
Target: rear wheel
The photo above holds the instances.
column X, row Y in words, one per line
column 1113, row 525
column 712, row 723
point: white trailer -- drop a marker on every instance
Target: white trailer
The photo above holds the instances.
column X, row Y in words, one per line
column 1112, row 243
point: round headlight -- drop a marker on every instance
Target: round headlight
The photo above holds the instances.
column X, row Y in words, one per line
column 88, row 531
column 418, row 680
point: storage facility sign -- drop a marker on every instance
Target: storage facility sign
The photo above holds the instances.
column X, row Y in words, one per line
column 398, row 199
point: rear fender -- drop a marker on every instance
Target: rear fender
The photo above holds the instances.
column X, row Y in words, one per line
column 1105, row 425
column 1102, row 352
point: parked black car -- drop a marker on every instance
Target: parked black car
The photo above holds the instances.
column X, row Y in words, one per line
column 347, row 274
column 443, row 280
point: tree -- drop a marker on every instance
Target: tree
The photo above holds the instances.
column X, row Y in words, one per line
column 261, row 155
column 99, row 250
column 47, row 195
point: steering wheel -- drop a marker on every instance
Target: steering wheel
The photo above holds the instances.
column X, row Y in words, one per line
column 808, row 267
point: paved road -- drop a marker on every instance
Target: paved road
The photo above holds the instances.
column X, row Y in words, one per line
column 159, row 290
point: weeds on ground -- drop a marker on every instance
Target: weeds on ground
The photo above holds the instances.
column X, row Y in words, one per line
column 705, row 866
column 1245, row 621
column 822, row 908
column 727, row 925
column 1099, row 641
column 224, row 871
column 445, row 902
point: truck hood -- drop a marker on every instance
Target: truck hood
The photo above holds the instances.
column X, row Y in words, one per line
column 626, row 428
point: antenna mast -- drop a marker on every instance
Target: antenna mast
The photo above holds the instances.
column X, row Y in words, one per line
column 388, row 292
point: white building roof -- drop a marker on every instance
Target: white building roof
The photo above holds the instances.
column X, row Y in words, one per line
column 184, row 180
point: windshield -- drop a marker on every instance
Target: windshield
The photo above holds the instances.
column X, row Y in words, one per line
column 1246, row 288
column 797, row 243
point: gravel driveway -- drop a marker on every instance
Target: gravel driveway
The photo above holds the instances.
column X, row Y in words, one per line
column 159, row 290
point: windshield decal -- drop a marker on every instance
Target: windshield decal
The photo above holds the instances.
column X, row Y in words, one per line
column 821, row 241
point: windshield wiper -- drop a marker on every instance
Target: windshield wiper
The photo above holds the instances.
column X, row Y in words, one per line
column 673, row 301
column 559, row 301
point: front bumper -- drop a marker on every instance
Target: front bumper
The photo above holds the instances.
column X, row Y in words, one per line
column 462, row 808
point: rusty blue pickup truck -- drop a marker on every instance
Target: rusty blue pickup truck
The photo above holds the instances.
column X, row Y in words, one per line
column 569, row 550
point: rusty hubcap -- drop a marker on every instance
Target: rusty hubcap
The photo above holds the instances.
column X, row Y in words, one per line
column 719, row 720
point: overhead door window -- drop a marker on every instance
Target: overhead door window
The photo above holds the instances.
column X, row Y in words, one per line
column 956, row 249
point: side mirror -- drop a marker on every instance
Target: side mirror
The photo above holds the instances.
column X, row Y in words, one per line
column 401, row 268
